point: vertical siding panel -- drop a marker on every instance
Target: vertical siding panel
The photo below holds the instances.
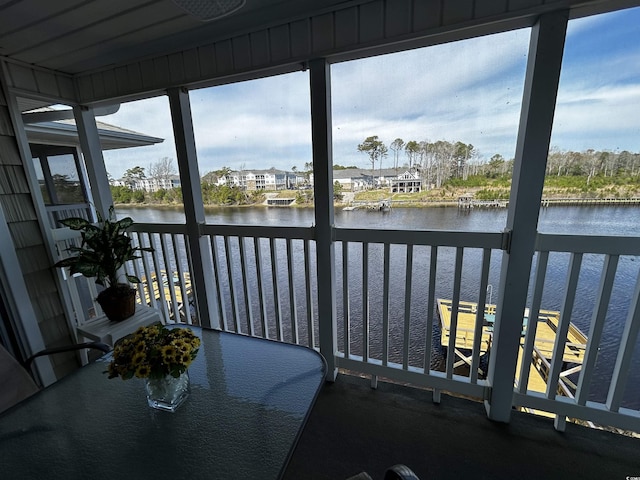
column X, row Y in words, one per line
column 241, row 52
column 260, row 47
column 147, row 73
column 162, row 72
column 22, row 77
column 398, row 18
column 6, row 128
column 371, row 24
column 97, row 81
column 322, row 32
column 85, row 87
column 110, row 83
column 207, row 60
column 346, row 27
column 122, row 79
column 135, row 77
column 224, row 56
column 427, row 14
column 190, row 63
column 300, row 38
column 486, row 8
column 46, row 82
column 523, row 4
column 175, row 64
column 457, row 12
column 280, row 42
column 66, row 87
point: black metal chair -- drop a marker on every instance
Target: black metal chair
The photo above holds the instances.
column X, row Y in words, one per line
column 15, row 377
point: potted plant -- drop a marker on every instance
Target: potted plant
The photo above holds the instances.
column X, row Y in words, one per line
column 105, row 248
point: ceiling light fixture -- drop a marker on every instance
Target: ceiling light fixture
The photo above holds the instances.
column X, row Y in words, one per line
column 207, row 10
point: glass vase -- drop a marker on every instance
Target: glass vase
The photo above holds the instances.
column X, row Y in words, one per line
column 167, row 393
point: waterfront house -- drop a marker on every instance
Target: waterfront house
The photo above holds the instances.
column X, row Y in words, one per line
column 87, row 55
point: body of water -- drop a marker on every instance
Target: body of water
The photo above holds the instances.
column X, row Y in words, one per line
column 592, row 220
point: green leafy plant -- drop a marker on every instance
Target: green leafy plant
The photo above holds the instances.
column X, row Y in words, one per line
column 105, row 248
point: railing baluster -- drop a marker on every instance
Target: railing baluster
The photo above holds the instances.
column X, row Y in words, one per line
column 309, row 274
column 169, row 273
column 261, row 300
column 431, row 306
column 365, row 302
column 625, row 353
column 346, row 307
column 222, row 310
column 232, row 290
column 597, row 325
column 385, row 306
column 148, row 274
column 245, row 289
column 407, row 306
column 455, row 303
column 482, row 298
column 184, row 293
column 276, row 290
column 157, row 269
column 292, row 296
column 532, row 324
column 563, row 327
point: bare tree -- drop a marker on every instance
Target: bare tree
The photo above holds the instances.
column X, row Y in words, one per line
column 162, row 171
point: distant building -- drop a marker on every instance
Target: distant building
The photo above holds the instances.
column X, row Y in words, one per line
column 149, row 184
column 252, row 180
column 407, row 182
column 356, row 179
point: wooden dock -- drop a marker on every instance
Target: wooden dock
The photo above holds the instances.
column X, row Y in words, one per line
column 545, row 338
column 166, row 295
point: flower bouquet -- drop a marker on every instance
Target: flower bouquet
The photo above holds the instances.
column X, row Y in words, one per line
column 161, row 356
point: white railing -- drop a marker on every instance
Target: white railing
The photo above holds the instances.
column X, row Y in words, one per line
column 571, row 253
column 387, row 288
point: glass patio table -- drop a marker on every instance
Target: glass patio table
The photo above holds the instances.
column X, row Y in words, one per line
column 249, row 401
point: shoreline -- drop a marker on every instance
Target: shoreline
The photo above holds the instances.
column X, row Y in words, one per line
column 545, row 203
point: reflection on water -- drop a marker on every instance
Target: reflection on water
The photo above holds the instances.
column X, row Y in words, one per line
column 596, row 220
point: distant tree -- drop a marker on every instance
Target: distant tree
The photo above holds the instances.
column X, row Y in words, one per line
column 376, row 150
column 163, row 169
column 337, row 191
column 412, row 149
column 133, row 174
column 396, row 146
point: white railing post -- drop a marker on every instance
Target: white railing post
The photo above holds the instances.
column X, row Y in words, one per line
column 323, row 200
column 532, row 148
column 201, row 278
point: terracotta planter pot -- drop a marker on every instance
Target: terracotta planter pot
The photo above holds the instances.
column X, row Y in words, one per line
column 118, row 303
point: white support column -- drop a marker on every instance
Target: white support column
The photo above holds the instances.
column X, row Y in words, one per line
column 93, row 159
column 201, row 275
column 323, row 200
column 536, row 119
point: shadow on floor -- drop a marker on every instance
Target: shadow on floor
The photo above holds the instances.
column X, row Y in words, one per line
column 353, row 428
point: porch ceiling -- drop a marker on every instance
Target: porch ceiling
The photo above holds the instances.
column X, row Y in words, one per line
column 76, row 36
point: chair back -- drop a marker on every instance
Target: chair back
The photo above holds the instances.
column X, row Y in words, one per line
column 16, row 382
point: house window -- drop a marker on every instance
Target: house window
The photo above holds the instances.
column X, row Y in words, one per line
column 61, row 181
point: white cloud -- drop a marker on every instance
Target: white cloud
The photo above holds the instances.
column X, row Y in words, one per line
column 468, row 91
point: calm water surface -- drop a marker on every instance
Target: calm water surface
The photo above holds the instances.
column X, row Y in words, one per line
column 598, row 220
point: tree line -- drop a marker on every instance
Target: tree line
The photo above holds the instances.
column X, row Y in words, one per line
column 442, row 162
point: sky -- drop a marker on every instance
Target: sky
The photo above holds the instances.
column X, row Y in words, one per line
column 468, row 91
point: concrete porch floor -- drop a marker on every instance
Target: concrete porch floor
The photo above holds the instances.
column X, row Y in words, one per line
column 353, row 428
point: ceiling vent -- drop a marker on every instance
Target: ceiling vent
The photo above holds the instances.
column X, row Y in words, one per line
column 207, row 10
